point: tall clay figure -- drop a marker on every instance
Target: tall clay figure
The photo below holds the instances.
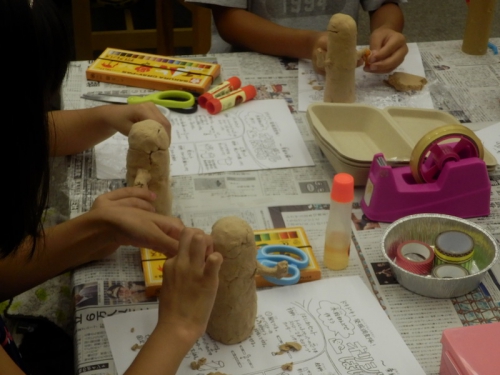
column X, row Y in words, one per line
column 235, row 307
column 341, row 60
column 148, row 162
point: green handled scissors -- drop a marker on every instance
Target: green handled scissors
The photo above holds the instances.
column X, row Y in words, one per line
column 176, row 100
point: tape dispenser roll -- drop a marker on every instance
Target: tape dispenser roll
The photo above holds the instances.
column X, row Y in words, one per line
column 440, row 145
column 415, row 256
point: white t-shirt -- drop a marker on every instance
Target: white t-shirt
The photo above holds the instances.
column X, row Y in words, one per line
column 299, row 14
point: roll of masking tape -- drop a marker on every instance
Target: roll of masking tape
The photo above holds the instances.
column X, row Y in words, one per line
column 449, row 271
column 440, row 145
column 415, row 257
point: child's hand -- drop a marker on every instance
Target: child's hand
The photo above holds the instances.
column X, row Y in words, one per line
column 122, row 117
column 190, row 282
column 319, row 52
column 126, row 217
column 388, row 50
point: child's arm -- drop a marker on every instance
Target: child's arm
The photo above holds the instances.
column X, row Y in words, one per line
column 120, row 217
column 241, row 28
column 387, row 43
column 190, row 281
column 74, row 131
column 7, row 365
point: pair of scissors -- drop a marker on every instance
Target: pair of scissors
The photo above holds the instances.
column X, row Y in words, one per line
column 176, row 100
column 270, row 255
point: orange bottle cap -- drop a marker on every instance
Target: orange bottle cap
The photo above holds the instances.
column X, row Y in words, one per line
column 342, row 188
column 250, row 92
column 204, row 98
column 235, row 82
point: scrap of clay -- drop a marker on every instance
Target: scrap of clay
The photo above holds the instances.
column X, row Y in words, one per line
column 289, row 346
column 195, row 365
column 287, row 366
column 279, row 271
column 136, row 347
column 406, row 82
column 216, row 373
column 365, row 55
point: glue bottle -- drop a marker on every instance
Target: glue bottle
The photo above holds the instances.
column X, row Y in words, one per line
column 338, row 228
column 231, row 84
column 232, row 99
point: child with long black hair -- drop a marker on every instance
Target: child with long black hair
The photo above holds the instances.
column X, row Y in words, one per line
column 35, row 54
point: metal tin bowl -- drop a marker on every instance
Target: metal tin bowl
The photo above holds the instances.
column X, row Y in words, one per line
column 425, row 228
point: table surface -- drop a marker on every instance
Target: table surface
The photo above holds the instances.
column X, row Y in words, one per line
column 469, row 89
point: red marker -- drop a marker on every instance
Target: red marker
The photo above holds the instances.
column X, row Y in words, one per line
column 230, row 100
column 224, row 88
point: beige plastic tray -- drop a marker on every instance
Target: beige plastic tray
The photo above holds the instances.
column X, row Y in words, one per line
column 350, row 134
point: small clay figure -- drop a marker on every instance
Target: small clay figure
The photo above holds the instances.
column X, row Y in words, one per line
column 148, row 162
column 235, row 308
column 406, row 82
column 341, row 60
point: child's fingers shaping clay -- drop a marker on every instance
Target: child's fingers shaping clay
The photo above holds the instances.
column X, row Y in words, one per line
column 148, row 162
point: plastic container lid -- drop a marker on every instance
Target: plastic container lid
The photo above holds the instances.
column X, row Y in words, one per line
column 342, row 188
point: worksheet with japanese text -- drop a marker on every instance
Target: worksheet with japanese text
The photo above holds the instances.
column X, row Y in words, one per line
column 338, row 324
column 255, row 135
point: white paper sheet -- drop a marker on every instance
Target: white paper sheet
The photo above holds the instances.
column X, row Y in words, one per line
column 259, row 134
column 491, row 139
column 339, row 323
column 370, row 87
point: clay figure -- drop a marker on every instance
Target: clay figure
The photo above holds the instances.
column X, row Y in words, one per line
column 148, row 162
column 402, row 81
column 341, row 60
column 235, row 308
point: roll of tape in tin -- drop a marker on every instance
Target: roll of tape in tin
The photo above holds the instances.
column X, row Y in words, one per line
column 454, row 247
column 415, row 257
column 449, row 271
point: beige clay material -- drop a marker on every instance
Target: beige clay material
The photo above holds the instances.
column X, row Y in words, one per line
column 406, row 82
column 235, row 308
column 287, row 366
column 341, row 60
column 148, row 162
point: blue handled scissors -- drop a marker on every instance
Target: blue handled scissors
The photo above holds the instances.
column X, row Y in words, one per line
column 176, row 100
column 297, row 259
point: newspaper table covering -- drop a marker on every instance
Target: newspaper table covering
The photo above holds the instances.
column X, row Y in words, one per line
column 465, row 86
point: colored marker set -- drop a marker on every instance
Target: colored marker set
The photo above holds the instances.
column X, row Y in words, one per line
column 152, row 71
column 226, row 95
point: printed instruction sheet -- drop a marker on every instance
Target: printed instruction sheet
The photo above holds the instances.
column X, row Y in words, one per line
column 338, row 323
column 260, row 134
column 370, row 87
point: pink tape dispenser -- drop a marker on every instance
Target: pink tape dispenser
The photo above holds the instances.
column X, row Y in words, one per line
column 446, row 175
